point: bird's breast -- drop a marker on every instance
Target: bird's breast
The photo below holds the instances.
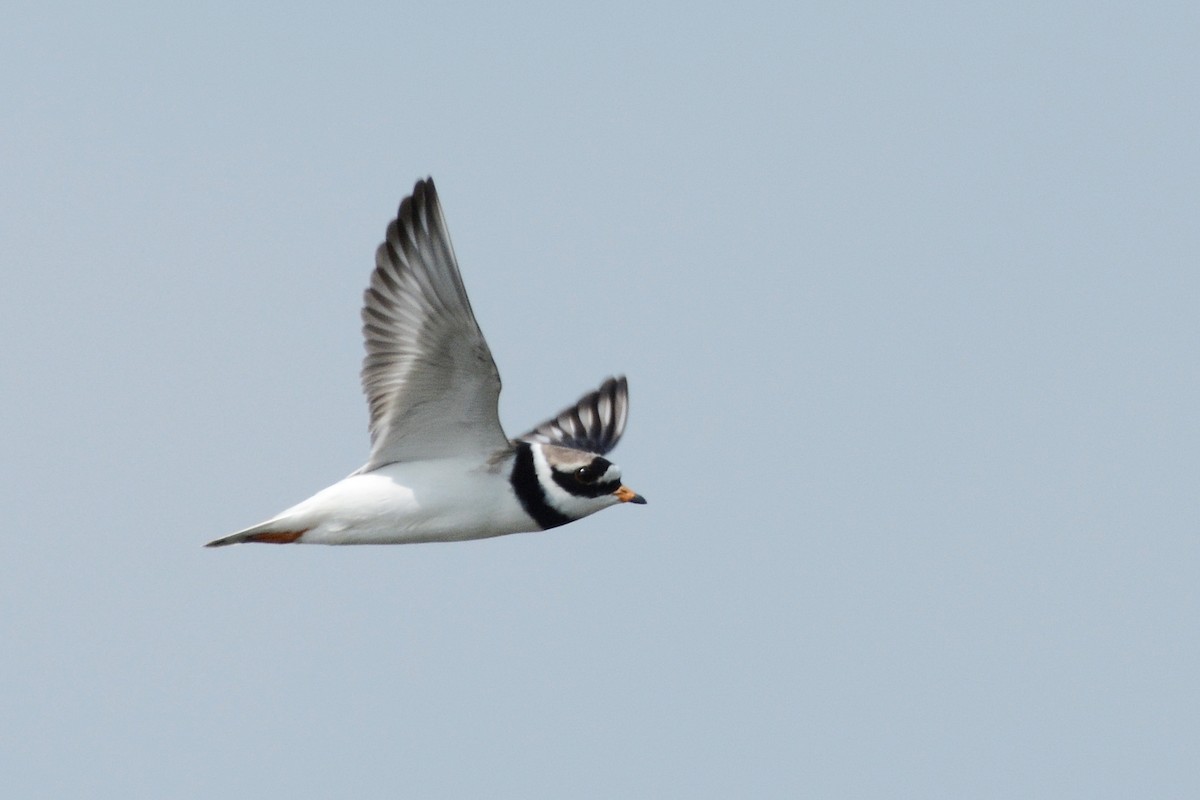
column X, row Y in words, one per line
column 421, row 501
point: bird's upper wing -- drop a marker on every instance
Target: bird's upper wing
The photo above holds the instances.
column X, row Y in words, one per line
column 429, row 377
column 594, row 424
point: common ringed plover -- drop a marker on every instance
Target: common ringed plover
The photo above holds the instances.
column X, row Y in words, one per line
column 441, row 468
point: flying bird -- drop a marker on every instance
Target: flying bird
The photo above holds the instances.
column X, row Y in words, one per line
column 441, row 468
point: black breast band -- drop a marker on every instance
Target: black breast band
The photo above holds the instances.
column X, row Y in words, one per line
column 529, row 490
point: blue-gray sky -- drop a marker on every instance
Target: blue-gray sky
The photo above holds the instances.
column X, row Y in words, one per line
column 907, row 297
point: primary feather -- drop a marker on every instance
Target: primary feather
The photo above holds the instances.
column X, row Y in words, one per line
column 429, row 377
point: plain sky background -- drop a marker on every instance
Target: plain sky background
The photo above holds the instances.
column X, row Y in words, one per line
column 908, row 299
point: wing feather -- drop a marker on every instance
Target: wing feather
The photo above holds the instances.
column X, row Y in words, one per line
column 594, row 424
column 430, row 381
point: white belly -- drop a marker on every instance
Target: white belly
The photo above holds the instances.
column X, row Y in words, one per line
column 427, row 501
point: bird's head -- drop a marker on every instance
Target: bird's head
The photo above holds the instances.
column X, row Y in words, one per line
column 557, row 485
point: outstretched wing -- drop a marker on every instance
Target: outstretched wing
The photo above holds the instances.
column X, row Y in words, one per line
column 594, row 424
column 428, row 375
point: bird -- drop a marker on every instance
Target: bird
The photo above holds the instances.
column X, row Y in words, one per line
column 440, row 467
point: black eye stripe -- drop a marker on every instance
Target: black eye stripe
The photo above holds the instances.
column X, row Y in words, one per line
column 595, row 470
column 568, row 481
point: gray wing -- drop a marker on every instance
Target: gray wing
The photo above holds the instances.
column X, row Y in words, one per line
column 428, row 375
column 594, row 424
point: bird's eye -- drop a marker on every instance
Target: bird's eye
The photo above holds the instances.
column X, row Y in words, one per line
column 584, row 475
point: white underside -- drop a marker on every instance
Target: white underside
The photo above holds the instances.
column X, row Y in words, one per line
column 442, row 500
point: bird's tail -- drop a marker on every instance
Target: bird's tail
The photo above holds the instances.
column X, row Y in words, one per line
column 270, row 532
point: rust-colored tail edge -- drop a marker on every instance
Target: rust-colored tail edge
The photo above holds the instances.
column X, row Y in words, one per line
column 252, row 535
